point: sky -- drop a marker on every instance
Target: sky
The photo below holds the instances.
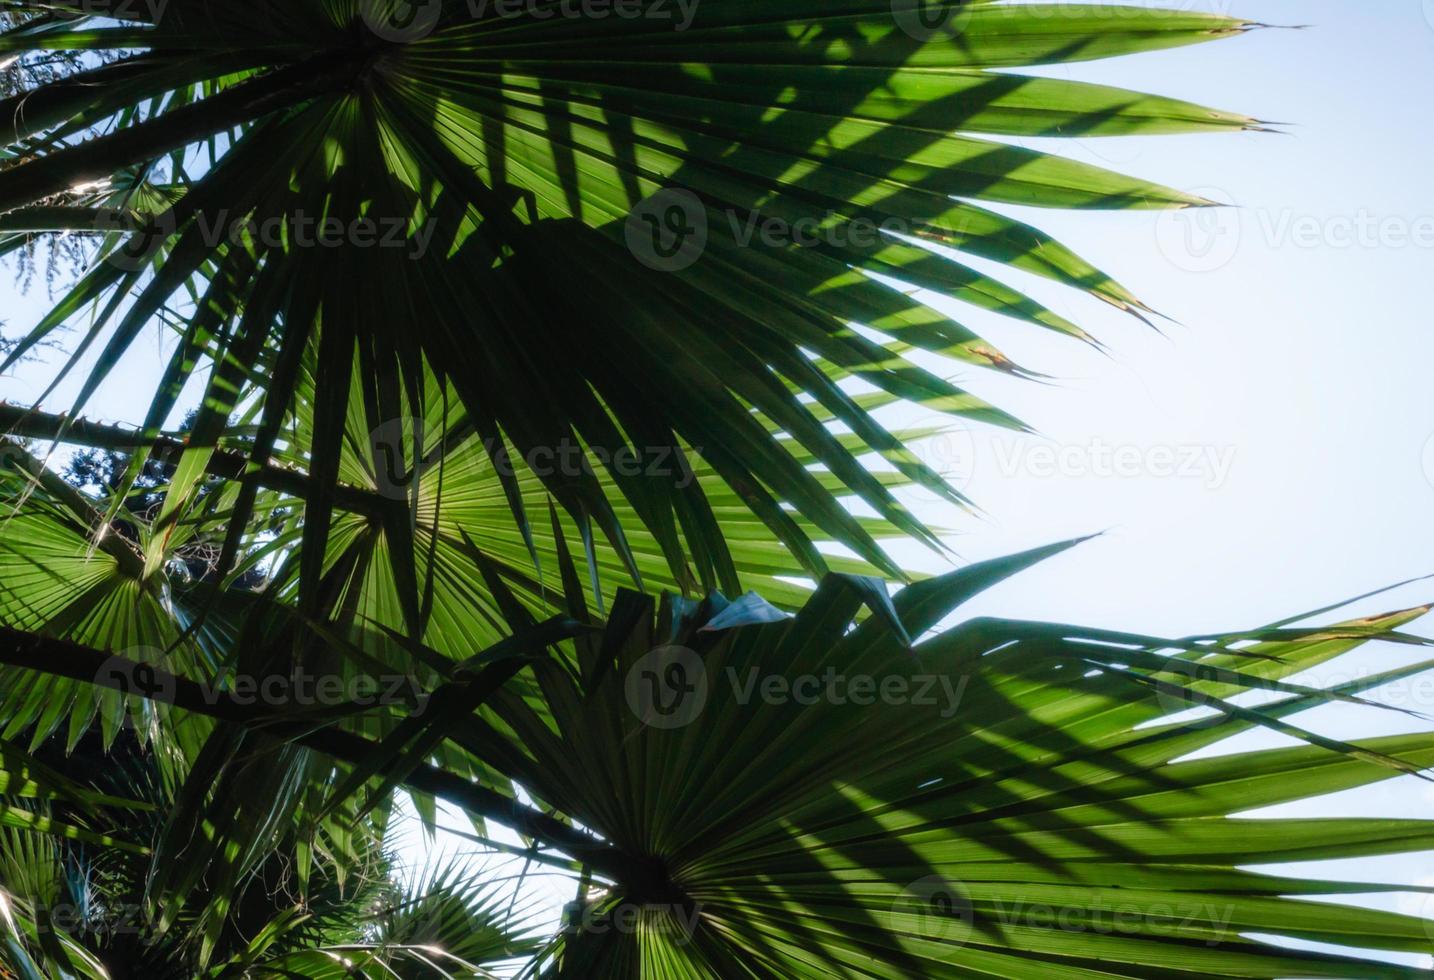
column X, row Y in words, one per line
column 1271, row 448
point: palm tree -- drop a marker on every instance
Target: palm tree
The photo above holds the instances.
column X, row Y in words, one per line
column 526, row 332
column 81, row 905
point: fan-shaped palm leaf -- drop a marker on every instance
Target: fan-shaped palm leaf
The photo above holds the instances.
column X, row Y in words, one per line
column 517, row 156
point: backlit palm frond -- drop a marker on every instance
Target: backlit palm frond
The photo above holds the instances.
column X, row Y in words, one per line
column 687, row 231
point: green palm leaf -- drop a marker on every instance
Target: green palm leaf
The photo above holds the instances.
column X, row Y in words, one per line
column 512, row 155
column 697, row 236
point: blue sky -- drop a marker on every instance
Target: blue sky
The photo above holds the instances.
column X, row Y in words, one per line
column 1300, row 357
column 1292, row 391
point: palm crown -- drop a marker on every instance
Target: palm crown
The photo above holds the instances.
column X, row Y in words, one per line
column 505, row 315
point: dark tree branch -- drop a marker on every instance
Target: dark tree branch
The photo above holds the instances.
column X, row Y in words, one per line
column 62, row 658
column 101, row 157
column 18, row 421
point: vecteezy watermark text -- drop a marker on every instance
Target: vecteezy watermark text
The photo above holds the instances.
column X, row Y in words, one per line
column 135, row 674
column 671, row 686
column 954, row 454
column 150, row 11
column 144, row 236
column 392, row 446
column 679, row 12
column 678, row 921
column 670, row 230
column 408, row 21
column 1205, row 239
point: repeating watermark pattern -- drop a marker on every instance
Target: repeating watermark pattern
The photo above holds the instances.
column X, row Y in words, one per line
column 941, row 907
column 1206, row 239
column 941, row 691
column 141, row 10
column 408, row 21
column 1101, row 460
column 668, row 231
column 145, row 235
column 931, row 20
column 1143, row 10
column 1364, row 229
column 134, row 673
column 1180, row 688
column 953, row 454
column 1201, row 239
column 936, row 20
column 401, row 21
column 672, row 229
column 1179, row 918
column 108, row 921
column 303, row 230
column 680, row 13
column 392, row 447
column 1425, row 906
column 811, row 231
column 679, row 922
column 1183, row 687
column 667, row 688
column 138, row 238
column 671, row 686
column 950, row 454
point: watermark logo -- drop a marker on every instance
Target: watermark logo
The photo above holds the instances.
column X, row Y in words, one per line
column 941, row 907
column 151, row 11
column 1098, row 459
column 1423, row 908
column 1199, row 239
column 137, row 238
column 832, row 687
column 932, row 20
column 1184, row 919
column 284, row 232
column 135, row 675
column 107, row 920
column 668, row 231
column 670, row 688
column 391, row 446
column 680, row 13
column 1204, row 239
column 1182, row 687
column 667, row 688
column 1178, row 690
column 679, row 923
column 401, row 21
column 950, row 453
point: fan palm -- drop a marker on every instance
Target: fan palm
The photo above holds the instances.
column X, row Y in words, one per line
column 78, row 908
column 515, row 154
column 507, row 316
